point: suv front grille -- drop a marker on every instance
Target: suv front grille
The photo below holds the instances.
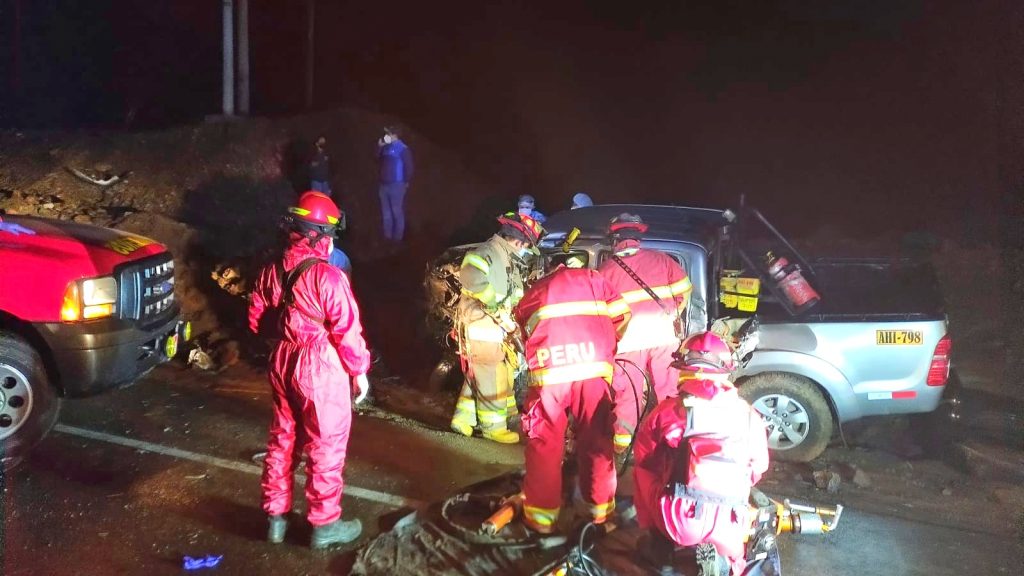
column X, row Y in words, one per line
column 147, row 288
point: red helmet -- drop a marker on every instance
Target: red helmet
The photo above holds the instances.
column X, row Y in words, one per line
column 626, row 226
column 706, row 352
column 521, row 225
column 316, row 210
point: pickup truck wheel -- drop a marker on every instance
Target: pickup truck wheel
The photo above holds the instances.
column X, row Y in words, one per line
column 28, row 402
column 796, row 414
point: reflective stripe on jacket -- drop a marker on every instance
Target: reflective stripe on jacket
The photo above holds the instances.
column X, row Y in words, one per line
column 491, row 277
column 650, row 326
column 571, row 320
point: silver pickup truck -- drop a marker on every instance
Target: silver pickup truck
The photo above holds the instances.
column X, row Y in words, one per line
column 874, row 341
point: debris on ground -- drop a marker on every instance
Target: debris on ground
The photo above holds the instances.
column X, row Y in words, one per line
column 200, row 359
column 104, row 178
column 861, row 479
column 827, row 480
column 209, row 561
column 230, row 280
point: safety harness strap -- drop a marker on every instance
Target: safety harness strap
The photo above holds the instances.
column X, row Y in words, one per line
column 288, row 286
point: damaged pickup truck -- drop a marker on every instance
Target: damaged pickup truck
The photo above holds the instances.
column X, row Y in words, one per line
column 837, row 339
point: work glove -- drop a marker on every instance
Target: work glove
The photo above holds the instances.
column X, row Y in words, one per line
column 363, row 387
column 16, row 229
column 506, row 322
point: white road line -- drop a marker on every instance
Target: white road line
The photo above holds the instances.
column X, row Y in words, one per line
column 350, row 490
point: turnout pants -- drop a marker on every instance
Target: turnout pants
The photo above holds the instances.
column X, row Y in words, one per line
column 313, row 416
column 689, row 522
column 628, row 383
column 544, row 422
column 486, row 400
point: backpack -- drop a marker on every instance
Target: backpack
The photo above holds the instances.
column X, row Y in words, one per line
column 271, row 324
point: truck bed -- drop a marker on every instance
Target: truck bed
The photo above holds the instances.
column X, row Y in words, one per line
column 861, row 289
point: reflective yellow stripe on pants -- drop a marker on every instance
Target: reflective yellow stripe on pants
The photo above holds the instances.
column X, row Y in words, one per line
column 601, row 512
column 542, row 517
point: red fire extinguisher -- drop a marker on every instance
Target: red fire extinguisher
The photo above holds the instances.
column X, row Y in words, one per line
column 791, row 282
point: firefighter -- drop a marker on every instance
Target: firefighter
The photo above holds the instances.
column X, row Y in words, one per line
column 697, row 457
column 493, row 279
column 656, row 325
column 318, row 357
column 571, row 320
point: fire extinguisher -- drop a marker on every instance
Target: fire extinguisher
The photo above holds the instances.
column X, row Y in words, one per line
column 791, row 282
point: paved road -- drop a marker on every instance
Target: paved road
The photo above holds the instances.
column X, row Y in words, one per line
column 135, row 480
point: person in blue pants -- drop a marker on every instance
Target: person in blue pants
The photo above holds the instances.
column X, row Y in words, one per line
column 396, row 169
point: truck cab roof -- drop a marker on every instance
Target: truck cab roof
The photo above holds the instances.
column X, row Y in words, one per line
column 665, row 223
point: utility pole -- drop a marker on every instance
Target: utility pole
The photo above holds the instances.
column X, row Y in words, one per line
column 228, row 100
column 311, row 13
column 243, row 57
column 16, row 53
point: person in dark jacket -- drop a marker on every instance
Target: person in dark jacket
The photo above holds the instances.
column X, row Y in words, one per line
column 396, row 169
column 319, row 168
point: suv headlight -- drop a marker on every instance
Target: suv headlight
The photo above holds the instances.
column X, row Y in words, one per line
column 89, row 299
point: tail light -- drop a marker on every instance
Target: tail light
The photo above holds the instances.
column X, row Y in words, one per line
column 938, row 372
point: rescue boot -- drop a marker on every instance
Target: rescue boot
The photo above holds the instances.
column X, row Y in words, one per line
column 277, row 526
column 337, row 532
column 460, row 428
column 502, row 436
column 707, row 560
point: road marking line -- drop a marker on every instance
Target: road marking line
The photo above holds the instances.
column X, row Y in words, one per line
column 350, row 490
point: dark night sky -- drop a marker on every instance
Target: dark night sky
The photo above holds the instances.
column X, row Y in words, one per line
column 866, row 111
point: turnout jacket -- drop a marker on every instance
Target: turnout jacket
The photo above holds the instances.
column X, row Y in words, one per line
column 571, row 320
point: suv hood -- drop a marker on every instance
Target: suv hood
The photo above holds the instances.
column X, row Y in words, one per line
column 102, row 248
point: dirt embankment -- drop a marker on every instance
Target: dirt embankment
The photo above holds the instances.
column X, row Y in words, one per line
column 214, row 193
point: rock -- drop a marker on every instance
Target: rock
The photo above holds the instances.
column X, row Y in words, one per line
column 989, row 462
column 200, row 359
column 861, row 478
column 827, row 480
column 833, row 483
column 82, row 218
column 947, row 491
column 228, row 353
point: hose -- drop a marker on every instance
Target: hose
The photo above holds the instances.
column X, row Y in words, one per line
column 579, row 562
column 640, row 411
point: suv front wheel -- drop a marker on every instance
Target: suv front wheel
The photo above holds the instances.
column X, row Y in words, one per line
column 28, row 402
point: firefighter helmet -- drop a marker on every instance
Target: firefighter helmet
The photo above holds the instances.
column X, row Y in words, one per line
column 521, row 226
column 315, row 212
column 626, row 226
column 706, row 352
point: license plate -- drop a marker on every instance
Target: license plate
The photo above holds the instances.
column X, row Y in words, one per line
column 899, row 337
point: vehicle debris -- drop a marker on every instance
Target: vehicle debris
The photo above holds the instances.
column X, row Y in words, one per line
column 200, row 359
column 210, row 561
column 105, row 179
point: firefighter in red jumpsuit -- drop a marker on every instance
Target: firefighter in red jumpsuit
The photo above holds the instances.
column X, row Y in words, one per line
column 571, row 320
column 319, row 354
column 655, row 327
column 697, row 457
